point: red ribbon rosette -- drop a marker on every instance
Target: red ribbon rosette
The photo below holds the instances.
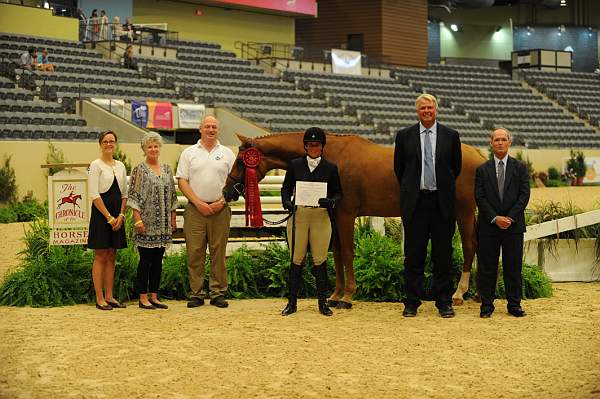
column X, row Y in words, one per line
column 251, row 160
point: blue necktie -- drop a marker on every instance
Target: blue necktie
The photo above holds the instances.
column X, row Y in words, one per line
column 428, row 172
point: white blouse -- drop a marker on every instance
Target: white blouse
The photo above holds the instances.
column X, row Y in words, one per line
column 101, row 175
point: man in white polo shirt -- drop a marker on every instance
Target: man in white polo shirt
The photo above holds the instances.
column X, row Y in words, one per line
column 201, row 173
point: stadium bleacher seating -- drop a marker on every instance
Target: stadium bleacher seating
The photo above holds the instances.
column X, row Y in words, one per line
column 472, row 98
column 217, row 77
column 489, row 95
column 579, row 92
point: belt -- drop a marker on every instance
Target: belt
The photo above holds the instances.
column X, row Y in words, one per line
column 427, row 192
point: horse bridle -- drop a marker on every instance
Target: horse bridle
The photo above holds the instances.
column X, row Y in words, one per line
column 238, row 182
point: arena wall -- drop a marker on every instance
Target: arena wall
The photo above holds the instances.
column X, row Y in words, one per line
column 219, row 25
column 37, row 22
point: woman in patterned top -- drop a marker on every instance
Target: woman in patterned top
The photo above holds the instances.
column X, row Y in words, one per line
column 153, row 199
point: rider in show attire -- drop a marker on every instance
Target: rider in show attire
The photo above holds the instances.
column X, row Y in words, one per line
column 310, row 225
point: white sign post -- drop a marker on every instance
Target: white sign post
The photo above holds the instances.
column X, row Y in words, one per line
column 68, row 207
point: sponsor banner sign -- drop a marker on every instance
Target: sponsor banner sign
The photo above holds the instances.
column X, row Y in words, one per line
column 68, row 208
column 346, row 62
column 160, row 115
column 190, row 115
column 139, row 113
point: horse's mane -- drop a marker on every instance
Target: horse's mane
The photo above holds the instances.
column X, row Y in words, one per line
column 300, row 132
column 265, row 136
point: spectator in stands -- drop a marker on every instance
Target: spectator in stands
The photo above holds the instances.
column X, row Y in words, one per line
column 103, row 25
column 153, row 199
column 201, row 173
column 129, row 30
column 29, row 59
column 427, row 192
column 128, row 60
column 94, row 24
column 107, row 185
column 502, row 193
column 83, row 21
column 43, row 64
column 309, row 225
column 117, row 29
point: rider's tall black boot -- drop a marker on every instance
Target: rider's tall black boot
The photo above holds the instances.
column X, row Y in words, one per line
column 320, row 272
column 294, row 280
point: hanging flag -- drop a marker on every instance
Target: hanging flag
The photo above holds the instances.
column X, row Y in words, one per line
column 190, row 115
column 139, row 113
column 160, row 115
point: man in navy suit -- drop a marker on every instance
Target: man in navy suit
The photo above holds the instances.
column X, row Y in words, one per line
column 427, row 161
column 502, row 193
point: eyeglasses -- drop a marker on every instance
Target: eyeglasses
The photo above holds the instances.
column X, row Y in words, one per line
column 108, row 142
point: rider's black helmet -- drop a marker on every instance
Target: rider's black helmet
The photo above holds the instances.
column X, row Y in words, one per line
column 315, row 134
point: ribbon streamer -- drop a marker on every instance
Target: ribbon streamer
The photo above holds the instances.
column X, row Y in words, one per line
column 253, row 207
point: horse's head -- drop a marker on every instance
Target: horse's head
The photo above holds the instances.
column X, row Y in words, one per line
column 234, row 185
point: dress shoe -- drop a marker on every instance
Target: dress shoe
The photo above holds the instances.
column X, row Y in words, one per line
column 324, row 309
column 409, row 311
column 219, row 302
column 446, row 312
column 517, row 312
column 158, row 305
column 115, row 304
column 195, row 302
column 141, row 305
column 103, row 307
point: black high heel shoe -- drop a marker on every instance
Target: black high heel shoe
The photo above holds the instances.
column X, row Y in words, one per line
column 141, row 305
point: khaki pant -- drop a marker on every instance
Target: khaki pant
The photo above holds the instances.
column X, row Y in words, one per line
column 312, row 226
column 199, row 232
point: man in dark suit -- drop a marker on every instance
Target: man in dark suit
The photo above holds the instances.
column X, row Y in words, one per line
column 502, row 193
column 427, row 161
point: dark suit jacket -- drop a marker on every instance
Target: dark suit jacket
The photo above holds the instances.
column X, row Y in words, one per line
column 325, row 172
column 514, row 201
column 407, row 165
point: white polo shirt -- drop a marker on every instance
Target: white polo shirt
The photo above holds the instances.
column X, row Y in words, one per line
column 206, row 171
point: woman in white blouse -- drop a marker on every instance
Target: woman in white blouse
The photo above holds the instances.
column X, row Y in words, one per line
column 107, row 185
column 153, row 198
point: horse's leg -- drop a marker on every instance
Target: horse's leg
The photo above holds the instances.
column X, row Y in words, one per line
column 335, row 297
column 466, row 226
column 346, row 237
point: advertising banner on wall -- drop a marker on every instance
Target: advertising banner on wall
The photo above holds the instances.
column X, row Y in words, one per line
column 139, row 113
column 190, row 115
column 68, row 207
column 160, row 115
column 346, row 62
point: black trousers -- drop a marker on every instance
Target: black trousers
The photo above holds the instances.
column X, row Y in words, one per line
column 149, row 269
column 488, row 253
column 427, row 224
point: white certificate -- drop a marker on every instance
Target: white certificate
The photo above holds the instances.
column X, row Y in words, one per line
column 309, row 192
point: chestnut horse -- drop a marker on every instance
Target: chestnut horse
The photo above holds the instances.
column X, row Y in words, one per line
column 370, row 188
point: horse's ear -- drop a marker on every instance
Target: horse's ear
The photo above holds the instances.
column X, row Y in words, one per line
column 243, row 139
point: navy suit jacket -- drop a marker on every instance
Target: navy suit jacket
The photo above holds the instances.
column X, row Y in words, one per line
column 408, row 162
column 514, row 199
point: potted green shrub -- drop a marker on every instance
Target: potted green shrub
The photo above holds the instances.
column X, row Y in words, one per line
column 576, row 165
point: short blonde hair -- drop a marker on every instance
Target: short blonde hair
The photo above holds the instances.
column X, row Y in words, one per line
column 426, row 97
column 508, row 133
column 151, row 136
